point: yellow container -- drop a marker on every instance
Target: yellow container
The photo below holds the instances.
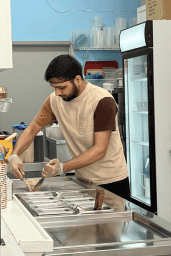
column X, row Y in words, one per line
column 8, row 147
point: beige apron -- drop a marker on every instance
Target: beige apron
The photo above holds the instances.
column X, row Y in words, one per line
column 76, row 119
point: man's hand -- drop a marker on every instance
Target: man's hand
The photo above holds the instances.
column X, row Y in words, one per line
column 16, row 167
column 52, row 169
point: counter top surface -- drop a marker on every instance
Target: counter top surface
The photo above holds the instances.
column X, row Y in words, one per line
column 11, row 247
column 127, row 228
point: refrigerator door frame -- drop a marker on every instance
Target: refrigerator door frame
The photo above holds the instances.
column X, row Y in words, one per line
column 151, row 125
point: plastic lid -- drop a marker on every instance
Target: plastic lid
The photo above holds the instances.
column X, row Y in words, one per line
column 20, row 126
column 14, row 142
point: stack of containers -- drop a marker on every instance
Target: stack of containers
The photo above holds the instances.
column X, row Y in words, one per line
column 96, row 33
column 3, row 178
column 119, row 76
column 110, row 37
column 3, row 185
column 110, row 77
column 79, row 38
column 133, row 21
column 121, row 23
column 107, row 37
column 113, row 36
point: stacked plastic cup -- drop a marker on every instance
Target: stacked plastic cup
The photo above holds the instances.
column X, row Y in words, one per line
column 3, row 185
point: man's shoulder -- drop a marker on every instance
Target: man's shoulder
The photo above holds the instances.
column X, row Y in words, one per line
column 52, row 95
column 98, row 92
column 53, row 98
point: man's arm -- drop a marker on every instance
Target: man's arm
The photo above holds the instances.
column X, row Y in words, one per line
column 98, row 151
column 43, row 118
column 23, row 142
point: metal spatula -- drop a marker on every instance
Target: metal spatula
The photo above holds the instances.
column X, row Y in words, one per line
column 39, row 182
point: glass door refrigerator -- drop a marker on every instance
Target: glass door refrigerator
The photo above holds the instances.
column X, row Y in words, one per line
column 136, row 44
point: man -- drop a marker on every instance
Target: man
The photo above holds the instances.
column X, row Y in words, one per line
column 87, row 116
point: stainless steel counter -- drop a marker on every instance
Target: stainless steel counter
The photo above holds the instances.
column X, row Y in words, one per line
column 64, row 208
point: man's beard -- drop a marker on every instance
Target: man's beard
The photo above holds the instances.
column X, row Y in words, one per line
column 73, row 94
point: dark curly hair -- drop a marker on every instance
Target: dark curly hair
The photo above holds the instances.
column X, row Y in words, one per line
column 63, row 66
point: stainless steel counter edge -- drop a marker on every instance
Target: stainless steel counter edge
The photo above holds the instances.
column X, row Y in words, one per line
column 154, row 246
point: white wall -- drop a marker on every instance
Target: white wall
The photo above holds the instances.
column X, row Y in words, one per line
column 25, row 82
column 162, row 97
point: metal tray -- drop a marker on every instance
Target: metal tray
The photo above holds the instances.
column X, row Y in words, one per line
column 59, row 203
column 112, row 234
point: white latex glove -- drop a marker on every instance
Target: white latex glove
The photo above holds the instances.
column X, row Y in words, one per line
column 16, row 167
column 53, row 168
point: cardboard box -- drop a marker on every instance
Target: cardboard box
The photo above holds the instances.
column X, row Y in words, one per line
column 158, row 9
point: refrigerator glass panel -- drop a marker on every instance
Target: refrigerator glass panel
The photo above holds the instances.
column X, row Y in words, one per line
column 137, row 128
column 132, row 38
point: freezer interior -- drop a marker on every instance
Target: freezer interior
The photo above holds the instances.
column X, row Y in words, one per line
column 137, row 127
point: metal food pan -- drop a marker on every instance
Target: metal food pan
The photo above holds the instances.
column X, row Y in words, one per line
column 58, row 211
column 88, row 210
column 53, row 205
column 76, row 192
column 77, row 199
column 38, row 194
column 90, row 207
column 75, row 196
column 41, row 200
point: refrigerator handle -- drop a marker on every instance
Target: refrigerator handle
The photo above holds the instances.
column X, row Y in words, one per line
column 123, row 129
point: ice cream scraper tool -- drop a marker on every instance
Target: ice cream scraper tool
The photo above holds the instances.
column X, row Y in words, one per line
column 99, row 199
column 39, row 182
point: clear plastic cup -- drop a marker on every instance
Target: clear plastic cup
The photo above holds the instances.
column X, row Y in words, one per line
column 113, row 37
column 107, row 36
column 121, row 23
column 96, row 22
column 5, row 104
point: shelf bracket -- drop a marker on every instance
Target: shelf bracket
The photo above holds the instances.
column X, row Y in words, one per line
column 85, row 60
